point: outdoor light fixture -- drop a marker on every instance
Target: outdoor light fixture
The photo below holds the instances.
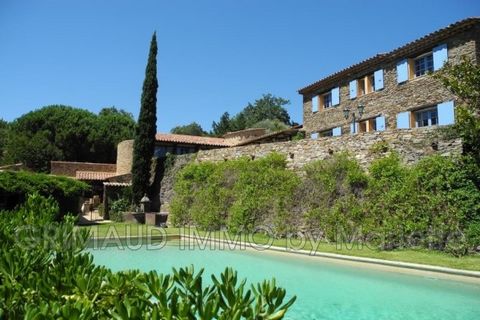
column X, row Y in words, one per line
column 361, row 108
column 346, row 114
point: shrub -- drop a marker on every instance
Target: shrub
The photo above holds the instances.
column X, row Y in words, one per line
column 430, row 204
column 241, row 194
column 433, row 200
column 472, row 234
column 117, row 208
column 16, row 185
column 333, row 195
column 101, row 210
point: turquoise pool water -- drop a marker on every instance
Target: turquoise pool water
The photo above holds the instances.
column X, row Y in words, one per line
column 325, row 290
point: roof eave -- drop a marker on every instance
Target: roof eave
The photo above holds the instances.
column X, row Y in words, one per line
column 408, row 48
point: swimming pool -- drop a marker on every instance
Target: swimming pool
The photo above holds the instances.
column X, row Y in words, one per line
column 325, row 289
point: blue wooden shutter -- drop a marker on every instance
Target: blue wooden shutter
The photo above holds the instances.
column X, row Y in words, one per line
column 335, row 96
column 380, row 123
column 446, row 113
column 402, row 71
column 440, row 56
column 337, row 131
column 403, row 120
column 356, row 128
column 314, row 135
column 378, row 76
column 315, row 104
column 353, row 89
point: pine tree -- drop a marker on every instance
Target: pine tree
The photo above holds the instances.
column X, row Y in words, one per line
column 144, row 143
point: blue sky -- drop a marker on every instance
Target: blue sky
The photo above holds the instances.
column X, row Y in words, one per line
column 214, row 55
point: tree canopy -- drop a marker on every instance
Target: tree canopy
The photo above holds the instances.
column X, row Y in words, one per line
column 192, row 129
column 3, row 137
column 59, row 132
column 144, row 144
column 463, row 80
column 268, row 107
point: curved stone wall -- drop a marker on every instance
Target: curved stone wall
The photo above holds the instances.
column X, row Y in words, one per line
column 124, row 157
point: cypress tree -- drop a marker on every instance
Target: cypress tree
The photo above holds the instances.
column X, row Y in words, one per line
column 144, row 143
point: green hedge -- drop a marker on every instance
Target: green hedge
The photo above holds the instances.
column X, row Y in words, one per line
column 241, row 194
column 433, row 204
column 16, row 185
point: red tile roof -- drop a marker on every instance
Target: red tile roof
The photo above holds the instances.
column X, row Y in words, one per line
column 93, row 175
column 196, row 140
column 410, row 48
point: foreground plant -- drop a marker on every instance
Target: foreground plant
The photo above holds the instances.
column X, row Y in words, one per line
column 45, row 273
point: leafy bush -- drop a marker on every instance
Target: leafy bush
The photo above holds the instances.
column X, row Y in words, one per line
column 101, row 210
column 241, row 194
column 117, row 208
column 45, row 273
column 332, row 195
column 16, row 185
column 433, row 204
column 472, row 234
column 428, row 203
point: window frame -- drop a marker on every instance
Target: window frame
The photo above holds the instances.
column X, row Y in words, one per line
column 366, row 84
column 428, row 65
column 325, row 133
column 419, row 117
column 367, row 125
column 329, row 100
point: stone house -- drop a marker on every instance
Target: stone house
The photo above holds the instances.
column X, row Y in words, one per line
column 393, row 90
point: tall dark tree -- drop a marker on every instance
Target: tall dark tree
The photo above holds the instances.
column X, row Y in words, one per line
column 222, row 126
column 112, row 127
column 144, row 143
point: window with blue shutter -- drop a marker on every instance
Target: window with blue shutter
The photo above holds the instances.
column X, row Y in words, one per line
column 314, row 135
column 315, row 104
column 402, row 71
column 440, row 56
column 380, row 124
column 337, row 131
column 378, row 77
column 335, row 96
column 353, row 89
column 446, row 113
column 403, row 120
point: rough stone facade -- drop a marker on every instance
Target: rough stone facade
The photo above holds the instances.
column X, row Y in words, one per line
column 168, row 179
column 411, row 144
column 237, row 136
column 69, row 169
column 124, row 157
column 394, row 98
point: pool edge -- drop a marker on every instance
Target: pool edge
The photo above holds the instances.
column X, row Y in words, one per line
column 364, row 260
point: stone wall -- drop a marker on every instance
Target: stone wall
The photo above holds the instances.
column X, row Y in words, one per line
column 411, row 144
column 168, row 179
column 124, row 157
column 69, row 169
column 417, row 93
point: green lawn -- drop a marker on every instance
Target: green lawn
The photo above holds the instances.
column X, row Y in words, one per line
column 421, row 256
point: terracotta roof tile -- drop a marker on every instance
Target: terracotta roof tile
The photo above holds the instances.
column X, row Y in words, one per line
column 182, row 138
column 93, row 175
column 409, row 48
